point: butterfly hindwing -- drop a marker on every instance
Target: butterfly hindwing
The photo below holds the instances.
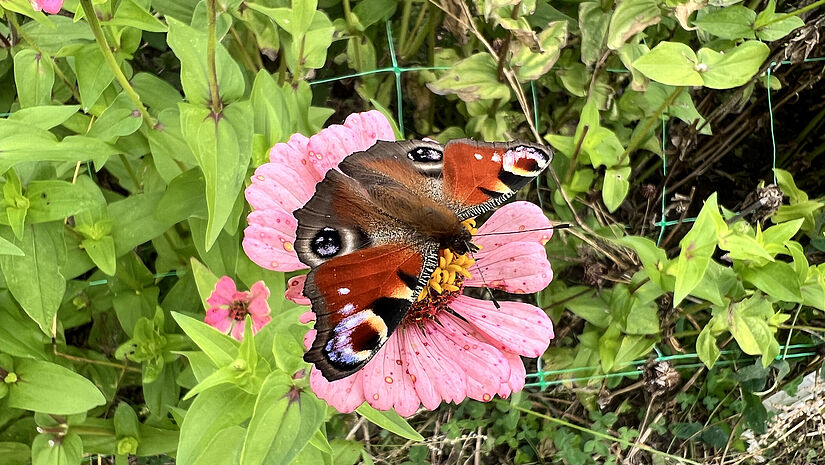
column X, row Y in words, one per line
column 480, row 176
column 359, row 299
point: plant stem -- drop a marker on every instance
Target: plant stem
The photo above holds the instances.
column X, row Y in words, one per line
column 505, row 49
column 211, row 46
column 419, row 34
column 100, row 38
column 351, row 26
column 796, row 12
column 405, row 23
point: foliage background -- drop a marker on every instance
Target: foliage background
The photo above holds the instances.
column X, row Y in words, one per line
column 134, row 125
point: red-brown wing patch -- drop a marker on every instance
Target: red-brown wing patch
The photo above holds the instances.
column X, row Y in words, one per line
column 479, row 176
column 359, row 299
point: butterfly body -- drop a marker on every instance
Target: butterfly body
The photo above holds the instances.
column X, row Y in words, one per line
column 372, row 232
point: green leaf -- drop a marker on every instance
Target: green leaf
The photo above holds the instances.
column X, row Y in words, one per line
column 733, row 22
column 189, row 46
column 16, row 453
column 735, row 67
column 672, row 63
column 49, row 388
column 530, row 65
column 19, row 336
column 590, row 308
column 697, row 247
column 283, row 422
column 630, row 18
column 370, row 12
column 135, row 221
column 102, row 252
column 44, row 116
column 390, row 421
column 779, row 29
column 593, row 22
column 129, row 13
column 749, row 326
column 120, row 119
column 93, row 74
column 53, row 200
column 204, row 279
column 21, row 143
column 35, row 279
column 706, row 347
column 616, row 185
column 209, row 415
column 69, row 451
column 219, row 347
column 777, row 279
column 472, row 79
column 34, row 78
column 653, row 258
column 222, row 145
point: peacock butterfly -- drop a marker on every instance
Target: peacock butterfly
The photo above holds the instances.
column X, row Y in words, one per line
column 372, row 233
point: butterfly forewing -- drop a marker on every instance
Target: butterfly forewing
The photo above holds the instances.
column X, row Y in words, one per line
column 480, row 176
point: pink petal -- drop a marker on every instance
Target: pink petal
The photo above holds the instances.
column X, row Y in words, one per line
column 258, row 305
column 434, row 376
column 295, row 293
column 277, row 186
column 345, row 395
column 516, row 216
column 293, row 154
column 370, row 126
column 385, row 384
column 516, row 327
column 327, row 148
column 49, row 6
column 218, row 318
column 238, row 330
column 224, row 292
column 269, row 240
column 519, row 267
column 258, row 322
column 306, row 317
column 517, row 375
column 485, row 366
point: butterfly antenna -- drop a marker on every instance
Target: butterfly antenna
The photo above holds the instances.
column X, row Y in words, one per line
column 470, row 247
column 502, row 233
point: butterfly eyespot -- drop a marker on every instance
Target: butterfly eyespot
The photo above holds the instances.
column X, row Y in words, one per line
column 425, row 155
column 326, row 243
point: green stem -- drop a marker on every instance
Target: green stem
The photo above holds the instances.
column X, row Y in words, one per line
column 795, row 12
column 351, row 26
column 405, row 23
column 211, row 46
column 100, row 38
column 91, row 431
column 419, row 36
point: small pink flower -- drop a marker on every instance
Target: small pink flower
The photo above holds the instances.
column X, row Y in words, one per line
column 228, row 307
column 49, row 6
column 433, row 355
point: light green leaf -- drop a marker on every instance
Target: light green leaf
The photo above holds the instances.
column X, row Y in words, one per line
column 733, row 22
column 49, row 388
column 93, row 74
column 220, row 348
column 283, row 422
column 472, row 79
column 47, row 452
column 735, row 67
column 630, row 18
column 34, row 78
column 222, row 144
column 672, row 63
column 390, row 421
column 15, row 453
column 706, row 347
column 44, row 116
column 129, row 13
column 616, row 185
column 530, row 65
column 121, row 118
column 777, row 279
column 209, row 415
column 593, row 22
column 35, row 279
column 696, row 249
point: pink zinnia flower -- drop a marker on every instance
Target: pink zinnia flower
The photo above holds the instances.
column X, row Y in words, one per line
column 49, row 6
column 229, row 307
column 433, row 355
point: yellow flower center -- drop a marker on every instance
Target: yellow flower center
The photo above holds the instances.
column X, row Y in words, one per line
column 445, row 282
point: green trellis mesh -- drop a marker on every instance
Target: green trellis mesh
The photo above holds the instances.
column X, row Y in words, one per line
column 540, row 377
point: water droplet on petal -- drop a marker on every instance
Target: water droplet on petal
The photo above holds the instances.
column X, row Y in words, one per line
column 486, row 397
column 260, row 177
column 375, row 396
column 388, row 380
column 288, row 246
